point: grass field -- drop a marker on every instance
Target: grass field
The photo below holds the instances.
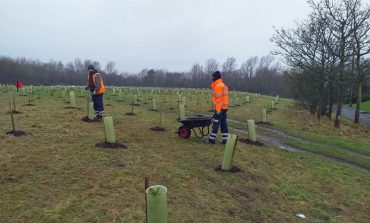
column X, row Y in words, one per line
column 56, row 174
column 365, row 106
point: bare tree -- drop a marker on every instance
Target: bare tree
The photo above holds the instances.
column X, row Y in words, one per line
column 110, row 68
column 211, row 66
column 361, row 47
column 248, row 68
column 338, row 17
column 229, row 65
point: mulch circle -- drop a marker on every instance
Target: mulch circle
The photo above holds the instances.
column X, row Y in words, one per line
column 16, row 133
column 234, row 169
column 153, row 110
column 130, row 113
column 264, row 123
column 157, row 129
column 15, row 112
column 250, row 142
column 86, row 119
column 120, row 165
column 107, row 145
column 171, row 108
column 29, row 105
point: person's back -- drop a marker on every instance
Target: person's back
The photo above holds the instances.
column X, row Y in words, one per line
column 221, row 101
column 97, row 88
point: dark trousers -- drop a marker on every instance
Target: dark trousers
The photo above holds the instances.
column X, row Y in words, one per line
column 219, row 120
column 98, row 104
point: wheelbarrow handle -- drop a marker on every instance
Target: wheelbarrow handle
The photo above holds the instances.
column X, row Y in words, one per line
column 214, row 115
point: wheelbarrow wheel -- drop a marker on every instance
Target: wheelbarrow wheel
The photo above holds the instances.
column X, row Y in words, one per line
column 184, row 132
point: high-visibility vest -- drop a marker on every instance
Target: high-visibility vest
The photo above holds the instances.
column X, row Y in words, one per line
column 220, row 95
column 102, row 88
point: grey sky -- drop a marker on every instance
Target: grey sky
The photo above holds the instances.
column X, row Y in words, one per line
column 138, row 34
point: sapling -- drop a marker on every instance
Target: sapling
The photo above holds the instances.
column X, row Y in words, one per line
column 12, row 117
column 156, row 200
column 14, row 108
column 29, row 99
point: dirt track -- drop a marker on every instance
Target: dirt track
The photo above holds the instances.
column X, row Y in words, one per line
column 279, row 139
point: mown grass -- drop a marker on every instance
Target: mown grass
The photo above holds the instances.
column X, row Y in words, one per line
column 340, row 154
column 55, row 174
column 365, row 106
column 350, row 136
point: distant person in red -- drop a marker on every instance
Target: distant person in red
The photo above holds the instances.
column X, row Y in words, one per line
column 19, row 85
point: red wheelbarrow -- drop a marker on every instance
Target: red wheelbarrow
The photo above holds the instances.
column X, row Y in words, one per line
column 200, row 123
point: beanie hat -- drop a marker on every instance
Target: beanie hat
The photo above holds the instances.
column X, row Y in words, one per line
column 91, row 68
column 216, row 75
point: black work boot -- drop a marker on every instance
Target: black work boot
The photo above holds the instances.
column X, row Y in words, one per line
column 98, row 118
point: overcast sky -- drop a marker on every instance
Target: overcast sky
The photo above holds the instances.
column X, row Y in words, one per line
column 136, row 34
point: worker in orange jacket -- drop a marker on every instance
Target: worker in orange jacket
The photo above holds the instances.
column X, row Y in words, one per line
column 221, row 101
column 96, row 86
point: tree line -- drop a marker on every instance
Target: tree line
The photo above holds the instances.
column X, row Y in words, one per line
column 326, row 54
column 256, row 74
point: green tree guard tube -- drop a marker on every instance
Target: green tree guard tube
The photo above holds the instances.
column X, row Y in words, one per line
column 248, row 100
column 72, row 99
column 264, row 115
column 135, row 100
column 229, row 151
column 91, row 114
column 110, row 137
column 272, row 105
column 156, row 201
column 12, row 117
column 154, row 104
column 252, row 130
column 183, row 100
column 231, row 102
column 237, row 101
column 182, row 111
column 120, row 95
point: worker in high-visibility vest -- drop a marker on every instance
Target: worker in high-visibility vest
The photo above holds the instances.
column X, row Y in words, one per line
column 96, row 86
column 221, row 101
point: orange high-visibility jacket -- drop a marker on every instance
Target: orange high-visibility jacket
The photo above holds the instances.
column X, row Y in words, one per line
column 220, row 95
column 100, row 89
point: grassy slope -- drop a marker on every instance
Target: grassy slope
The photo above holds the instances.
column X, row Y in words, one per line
column 55, row 174
column 365, row 106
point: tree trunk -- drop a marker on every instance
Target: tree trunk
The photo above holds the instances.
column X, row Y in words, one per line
column 330, row 109
column 359, row 88
column 358, row 103
column 339, row 108
column 350, row 96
